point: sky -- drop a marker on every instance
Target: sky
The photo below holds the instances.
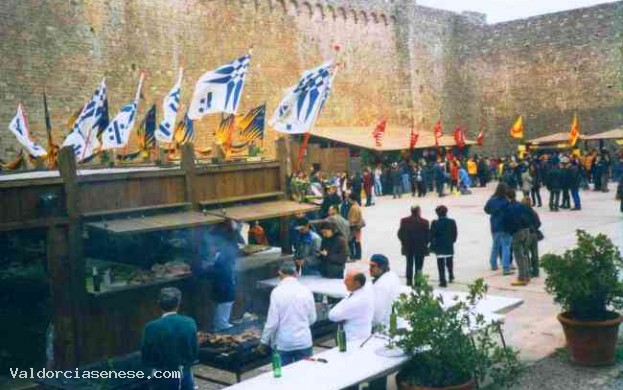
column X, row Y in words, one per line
column 504, row 10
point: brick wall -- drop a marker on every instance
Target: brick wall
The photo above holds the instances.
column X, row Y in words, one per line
column 402, row 60
column 69, row 45
column 546, row 68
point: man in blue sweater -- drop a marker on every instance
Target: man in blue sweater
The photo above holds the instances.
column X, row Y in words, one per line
column 517, row 222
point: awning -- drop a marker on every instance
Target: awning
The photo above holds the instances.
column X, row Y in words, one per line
column 562, row 137
column 395, row 138
column 153, row 223
column 192, row 219
column 611, row 134
column 266, row 210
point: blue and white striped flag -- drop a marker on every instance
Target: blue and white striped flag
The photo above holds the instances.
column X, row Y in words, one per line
column 117, row 134
column 170, row 106
column 83, row 135
column 303, row 102
column 220, row 90
column 19, row 127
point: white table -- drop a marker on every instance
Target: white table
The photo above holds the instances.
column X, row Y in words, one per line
column 339, row 371
column 335, row 288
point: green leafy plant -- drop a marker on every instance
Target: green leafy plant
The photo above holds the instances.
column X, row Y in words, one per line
column 585, row 280
column 444, row 353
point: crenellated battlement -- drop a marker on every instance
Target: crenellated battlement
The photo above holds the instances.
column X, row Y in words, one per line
column 359, row 11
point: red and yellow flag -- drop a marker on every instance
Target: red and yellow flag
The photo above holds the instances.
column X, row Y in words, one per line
column 517, row 129
column 574, row 134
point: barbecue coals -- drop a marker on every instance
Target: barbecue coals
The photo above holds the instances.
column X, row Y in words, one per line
column 248, row 250
column 232, row 341
column 171, row 269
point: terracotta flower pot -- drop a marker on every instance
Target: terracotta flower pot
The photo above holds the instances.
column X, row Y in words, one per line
column 591, row 343
column 471, row 385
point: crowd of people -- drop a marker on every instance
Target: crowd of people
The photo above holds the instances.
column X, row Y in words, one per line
column 325, row 241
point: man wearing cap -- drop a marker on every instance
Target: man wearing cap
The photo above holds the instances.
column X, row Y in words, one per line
column 336, row 219
column 386, row 286
column 333, row 252
column 170, row 343
column 291, row 312
column 307, row 248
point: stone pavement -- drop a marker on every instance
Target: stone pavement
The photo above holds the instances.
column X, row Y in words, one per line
column 532, row 328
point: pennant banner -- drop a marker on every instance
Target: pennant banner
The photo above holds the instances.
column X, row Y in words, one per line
column 413, row 138
column 83, row 135
column 52, row 148
column 459, row 137
column 302, row 103
column 480, row 139
column 438, row 131
column 13, row 165
column 19, row 127
column 170, row 107
column 220, row 90
column 117, row 134
column 146, row 130
column 252, row 124
column 574, row 133
column 379, row 131
column 302, row 149
column 517, row 128
column 184, row 131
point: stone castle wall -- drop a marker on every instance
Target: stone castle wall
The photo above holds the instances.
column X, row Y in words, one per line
column 402, row 60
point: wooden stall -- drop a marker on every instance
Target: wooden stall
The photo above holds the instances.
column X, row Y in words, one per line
column 73, row 206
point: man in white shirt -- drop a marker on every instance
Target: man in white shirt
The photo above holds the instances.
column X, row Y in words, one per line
column 291, row 312
column 356, row 310
column 386, row 286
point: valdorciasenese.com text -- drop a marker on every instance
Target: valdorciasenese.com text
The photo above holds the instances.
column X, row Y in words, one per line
column 43, row 373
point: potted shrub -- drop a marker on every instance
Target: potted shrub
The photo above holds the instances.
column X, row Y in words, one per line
column 586, row 282
column 452, row 359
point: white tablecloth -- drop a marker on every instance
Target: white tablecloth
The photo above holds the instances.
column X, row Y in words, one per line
column 335, row 288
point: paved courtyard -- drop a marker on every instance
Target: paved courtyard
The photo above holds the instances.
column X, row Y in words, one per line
column 532, row 327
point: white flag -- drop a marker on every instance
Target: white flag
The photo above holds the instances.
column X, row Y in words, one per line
column 19, row 127
column 219, row 90
column 86, row 126
column 170, row 106
column 117, row 134
column 303, row 102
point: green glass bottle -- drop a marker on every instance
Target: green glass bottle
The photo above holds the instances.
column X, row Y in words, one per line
column 276, row 364
column 393, row 321
column 341, row 337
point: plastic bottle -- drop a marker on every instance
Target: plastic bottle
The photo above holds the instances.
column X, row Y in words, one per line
column 341, row 338
column 393, row 321
column 276, row 364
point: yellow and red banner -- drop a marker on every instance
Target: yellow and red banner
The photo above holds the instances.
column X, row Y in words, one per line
column 574, row 133
column 517, row 128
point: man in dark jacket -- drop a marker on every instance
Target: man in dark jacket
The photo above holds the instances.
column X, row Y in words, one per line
column 170, row 343
column 518, row 219
column 333, row 251
column 307, row 248
column 440, row 177
column 330, row 199
column 414, row 235
column 554, row 185
column 443, row 234
column 396, row 181
column 495, row 207
column 574, row 186
column 565, row 181
column 620, row 192
column 356, row 187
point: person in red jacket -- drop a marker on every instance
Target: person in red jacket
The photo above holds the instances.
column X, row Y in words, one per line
column 414, row 235
column 368, row 183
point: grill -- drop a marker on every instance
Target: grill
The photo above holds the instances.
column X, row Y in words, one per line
column 241, row 357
